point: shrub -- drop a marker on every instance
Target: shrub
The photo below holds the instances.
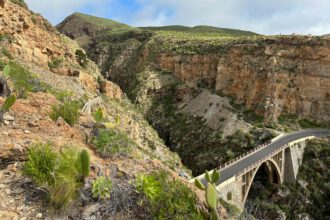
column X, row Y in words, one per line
column 69, row 111
column 9, row 102
column 55, row 63
column 59, row 173
column 149, row 186
column 7, row 53
column 308, row 123
column 5, row 37
column 23, row 80
column 81, row 57
column 41, row 163
column 102, row 188
column 111, row 141
column 166, row 198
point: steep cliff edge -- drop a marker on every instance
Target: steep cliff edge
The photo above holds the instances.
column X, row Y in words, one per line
column 41, row 67
column 210, row 95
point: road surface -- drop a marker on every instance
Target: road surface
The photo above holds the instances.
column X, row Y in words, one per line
column 237, row 167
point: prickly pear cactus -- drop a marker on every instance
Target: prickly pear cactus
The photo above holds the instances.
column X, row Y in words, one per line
column 211, row 194
column 9, row 102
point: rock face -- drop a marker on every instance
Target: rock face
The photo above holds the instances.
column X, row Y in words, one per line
column 273, row 76
column 286, row 75
column 111, row 90
column 32, row 38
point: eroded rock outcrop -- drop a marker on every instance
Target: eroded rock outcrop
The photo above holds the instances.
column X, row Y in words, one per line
column 287, row 75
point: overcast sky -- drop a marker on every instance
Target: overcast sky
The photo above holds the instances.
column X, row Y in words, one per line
column 261, row 16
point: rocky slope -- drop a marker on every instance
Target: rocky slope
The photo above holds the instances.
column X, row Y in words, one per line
column 212, row 96
column 32, row 48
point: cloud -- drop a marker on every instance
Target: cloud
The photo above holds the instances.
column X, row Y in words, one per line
column 261, row 16
column 266, row 17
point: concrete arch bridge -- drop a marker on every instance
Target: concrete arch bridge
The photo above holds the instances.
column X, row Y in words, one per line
column 281, row 159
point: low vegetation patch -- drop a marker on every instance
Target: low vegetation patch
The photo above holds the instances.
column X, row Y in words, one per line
column 55, row 63
column 20, row 3
column 308, row 123
column 111, row 141
column 102, row 188
column 166, row 198
column 23, row 80
column 59, row 173
column 68, row 110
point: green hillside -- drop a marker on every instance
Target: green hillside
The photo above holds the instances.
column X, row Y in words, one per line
column 202, row 29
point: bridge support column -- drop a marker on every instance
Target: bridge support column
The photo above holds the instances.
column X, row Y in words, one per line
column 231, row 191
column 293, row 159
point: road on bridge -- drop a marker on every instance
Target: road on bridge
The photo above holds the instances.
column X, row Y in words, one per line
column 235, row 168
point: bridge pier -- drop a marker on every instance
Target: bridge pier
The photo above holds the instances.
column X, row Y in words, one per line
column 293, row 159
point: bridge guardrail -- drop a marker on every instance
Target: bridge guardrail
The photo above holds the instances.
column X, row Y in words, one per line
column 231, row 162
column 270, row 155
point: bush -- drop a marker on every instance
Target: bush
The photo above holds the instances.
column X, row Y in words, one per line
column 102, row 188
column 81, row 58
column 167, row 199
column 112, row 141
column 41, row 164
column 59, row 173
column 308, row 123
column 69, row 111
column 7, row 53
column 23, row 80
column 55, row 63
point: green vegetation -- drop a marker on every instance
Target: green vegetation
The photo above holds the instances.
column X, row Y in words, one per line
column 55, row 63
column 20, row 3
column 149, row 186
column 167, row 199
column 111, row 141
column 69, row 111
column 308, row 123
column 5, row 37
column 98, row 115
column 206, row 30
column 230, row 208
column 81, row 58
column 9, row 102
column 104, row 23
column 102, row 188
column 59, row 173
column 211, row 194
column 23, row 80
column 7, row 53
column 85, row 163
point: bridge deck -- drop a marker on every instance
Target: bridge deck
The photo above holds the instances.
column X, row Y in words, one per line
column 239, row 166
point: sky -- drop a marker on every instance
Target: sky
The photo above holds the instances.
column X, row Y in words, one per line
column 261, row 16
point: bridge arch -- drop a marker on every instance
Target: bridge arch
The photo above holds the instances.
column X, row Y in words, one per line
column 273, row 169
